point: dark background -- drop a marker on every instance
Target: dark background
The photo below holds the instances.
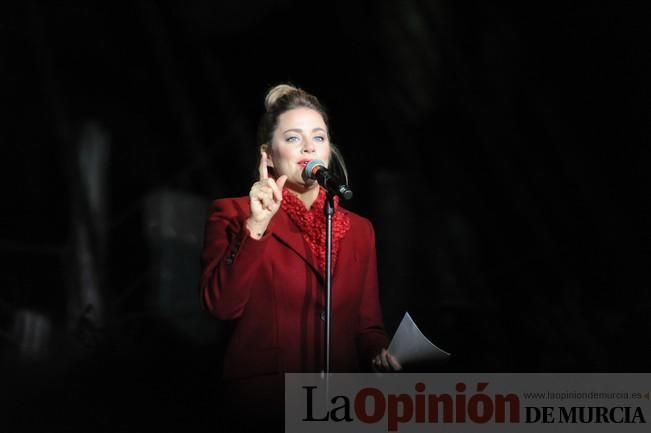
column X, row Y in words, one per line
column 500, row 151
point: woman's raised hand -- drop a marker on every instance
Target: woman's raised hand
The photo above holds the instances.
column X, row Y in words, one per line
column 264, row 198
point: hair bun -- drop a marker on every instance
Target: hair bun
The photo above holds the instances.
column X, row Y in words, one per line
column 277, row 92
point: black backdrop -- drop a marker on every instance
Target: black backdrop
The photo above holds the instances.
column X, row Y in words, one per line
column 501, row 152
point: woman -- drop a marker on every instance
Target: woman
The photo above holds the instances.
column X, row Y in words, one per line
column 263, row 264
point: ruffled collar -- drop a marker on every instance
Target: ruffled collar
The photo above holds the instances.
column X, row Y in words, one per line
column 312, row 224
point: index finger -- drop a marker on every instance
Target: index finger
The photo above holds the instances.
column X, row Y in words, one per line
column 264, row 174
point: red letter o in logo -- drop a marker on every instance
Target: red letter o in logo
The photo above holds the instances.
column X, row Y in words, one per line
column 379, row 405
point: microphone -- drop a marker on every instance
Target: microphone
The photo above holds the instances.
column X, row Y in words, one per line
column 317, row 170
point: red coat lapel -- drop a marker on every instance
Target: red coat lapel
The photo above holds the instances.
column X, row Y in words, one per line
column 284, row 229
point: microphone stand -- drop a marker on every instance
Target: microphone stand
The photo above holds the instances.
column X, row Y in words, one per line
column 329, row 210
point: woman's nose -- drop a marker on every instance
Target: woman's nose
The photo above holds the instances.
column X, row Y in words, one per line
column 308, row 146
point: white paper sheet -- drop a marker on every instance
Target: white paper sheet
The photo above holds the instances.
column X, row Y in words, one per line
column 409, row 345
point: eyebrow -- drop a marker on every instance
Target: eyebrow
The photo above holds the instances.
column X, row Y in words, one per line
column 300, row 130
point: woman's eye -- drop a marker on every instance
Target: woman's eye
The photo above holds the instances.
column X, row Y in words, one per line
column 319, row 138
column 292, row 139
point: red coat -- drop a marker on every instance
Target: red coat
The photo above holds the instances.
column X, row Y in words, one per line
column 273, row 290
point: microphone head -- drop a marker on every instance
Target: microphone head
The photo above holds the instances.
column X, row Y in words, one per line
column 311, row 168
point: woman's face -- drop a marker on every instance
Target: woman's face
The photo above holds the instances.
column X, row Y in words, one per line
column 300, row 137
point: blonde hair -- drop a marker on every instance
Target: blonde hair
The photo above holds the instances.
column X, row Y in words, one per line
column 277, row 92
column 285, row 97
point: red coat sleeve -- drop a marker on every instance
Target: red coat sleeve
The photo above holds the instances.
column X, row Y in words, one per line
column 228, row 259
column 371, row 336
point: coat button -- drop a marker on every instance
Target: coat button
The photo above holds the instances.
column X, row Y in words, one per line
column 323, row 315
column 229, row 260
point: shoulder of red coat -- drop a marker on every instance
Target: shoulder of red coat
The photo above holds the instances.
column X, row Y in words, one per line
column 355, row 219
column 231, row 206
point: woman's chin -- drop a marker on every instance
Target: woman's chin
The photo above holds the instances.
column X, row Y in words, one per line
column 302, row 186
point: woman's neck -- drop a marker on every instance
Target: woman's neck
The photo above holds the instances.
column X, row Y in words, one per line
column 308, row 195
